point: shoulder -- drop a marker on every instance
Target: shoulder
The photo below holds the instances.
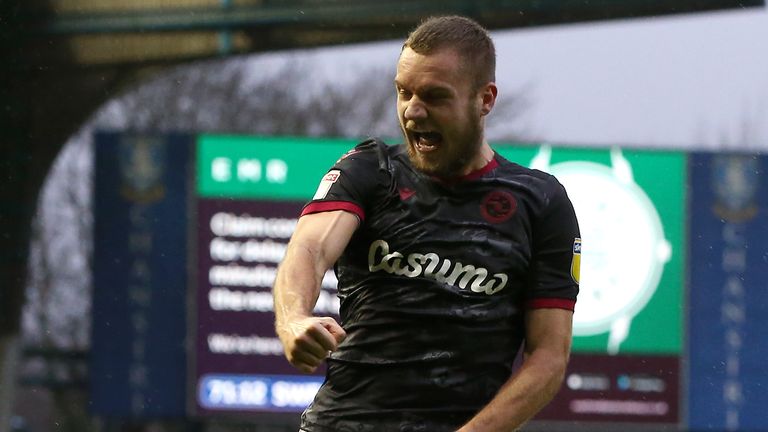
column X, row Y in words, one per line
column 544, row 195
column 537, row 181
column 372, row 152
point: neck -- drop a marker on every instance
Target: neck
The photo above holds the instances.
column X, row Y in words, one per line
column 484, row 155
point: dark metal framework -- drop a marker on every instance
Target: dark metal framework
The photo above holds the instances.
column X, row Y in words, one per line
column 287, row 24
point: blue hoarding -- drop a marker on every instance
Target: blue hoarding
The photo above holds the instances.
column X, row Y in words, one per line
column 138, row 360
column 728, row 319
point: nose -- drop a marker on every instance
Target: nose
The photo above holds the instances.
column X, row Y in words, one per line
column 415, row 110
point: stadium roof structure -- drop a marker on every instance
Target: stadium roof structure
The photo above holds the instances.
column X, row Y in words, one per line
column 174, row 30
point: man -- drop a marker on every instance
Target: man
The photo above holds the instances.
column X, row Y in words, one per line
column 448, row 257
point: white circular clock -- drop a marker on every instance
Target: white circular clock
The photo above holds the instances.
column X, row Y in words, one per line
column 623, row 246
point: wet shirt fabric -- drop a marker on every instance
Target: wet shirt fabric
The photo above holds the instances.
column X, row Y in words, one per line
column 434, row 285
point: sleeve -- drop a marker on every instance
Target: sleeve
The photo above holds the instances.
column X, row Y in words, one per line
column 556, row 253
column 351, row 182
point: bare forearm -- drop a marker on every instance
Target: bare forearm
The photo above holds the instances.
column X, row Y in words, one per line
column 315, row 245
column 297, row 285
column 524, row 395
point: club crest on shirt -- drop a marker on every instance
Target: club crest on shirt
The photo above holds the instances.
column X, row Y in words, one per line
column 498, row 206
column 325, row 184
column 576, row 260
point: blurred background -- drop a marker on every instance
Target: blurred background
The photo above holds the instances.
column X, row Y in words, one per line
column 156, row 154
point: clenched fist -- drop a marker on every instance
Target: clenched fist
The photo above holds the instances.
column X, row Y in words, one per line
column 307, row 341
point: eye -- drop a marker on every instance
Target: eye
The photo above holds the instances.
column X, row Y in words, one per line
column 403, row 93
column 437, row 95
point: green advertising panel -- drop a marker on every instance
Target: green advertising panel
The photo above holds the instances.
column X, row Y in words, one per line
column 276, row 168
column 630, row 206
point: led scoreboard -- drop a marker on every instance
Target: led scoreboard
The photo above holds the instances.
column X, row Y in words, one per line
column 251, row 191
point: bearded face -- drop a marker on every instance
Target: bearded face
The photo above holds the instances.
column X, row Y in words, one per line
column 440, row 112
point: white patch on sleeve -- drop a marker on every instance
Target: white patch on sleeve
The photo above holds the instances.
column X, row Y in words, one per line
column 325, row 184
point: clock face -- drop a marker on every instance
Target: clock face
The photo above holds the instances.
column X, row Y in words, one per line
column 623, row 251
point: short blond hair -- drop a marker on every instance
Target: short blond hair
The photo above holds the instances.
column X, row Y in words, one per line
column 465, row 36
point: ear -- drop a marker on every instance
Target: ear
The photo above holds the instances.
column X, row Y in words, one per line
column 488, row 97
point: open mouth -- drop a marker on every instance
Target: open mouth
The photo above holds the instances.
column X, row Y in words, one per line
column 427, row 141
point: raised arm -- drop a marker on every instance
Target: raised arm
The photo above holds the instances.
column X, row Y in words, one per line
column 547, row 347
column 317, row 243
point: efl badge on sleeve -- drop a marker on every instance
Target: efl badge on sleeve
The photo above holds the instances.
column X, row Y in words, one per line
column 325, row 184
column 576, row 261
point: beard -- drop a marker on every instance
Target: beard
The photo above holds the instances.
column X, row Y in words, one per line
column 453, row 156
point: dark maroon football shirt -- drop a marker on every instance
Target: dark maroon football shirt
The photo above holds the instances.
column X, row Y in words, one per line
column 434, row 286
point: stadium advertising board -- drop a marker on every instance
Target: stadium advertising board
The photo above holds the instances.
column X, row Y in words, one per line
column 728, row 296
column 138, row 353
column 245, row 199
column 250, row 194
column 623, row 368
